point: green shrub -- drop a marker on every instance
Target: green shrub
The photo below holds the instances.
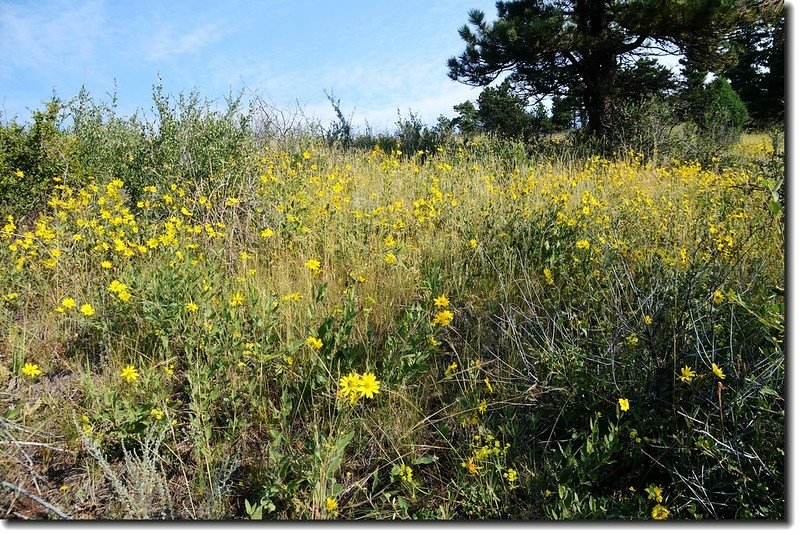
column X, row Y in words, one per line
column 30, row 157
column 724, row 115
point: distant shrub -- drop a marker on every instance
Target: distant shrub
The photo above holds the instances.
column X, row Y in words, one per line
column 649, row 127
column 30, row 156
column 725, row 114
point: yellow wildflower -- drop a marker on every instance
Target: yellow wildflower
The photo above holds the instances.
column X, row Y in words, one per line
column 191, row 307
column 313, row 265
column 129, row 373
column 369, row 386
column 31, row 370
column 406, row 473
column 659, row 512
column 624, row 404
column 470, row 465
column 655, row 493
column 332, row 506
column 86, row 425
column 548, row 276
column 68, row 303
column 314, row 343
column 687, row 374
column 156, row 413
column 87, row 309
column 237, row 299
column 441, row 302
column 349, row 387
column 443, row 318
column 510, row 475
column 717, row 371
column 116, row 286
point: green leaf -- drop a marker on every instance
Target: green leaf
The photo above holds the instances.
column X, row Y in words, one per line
column 343, row 441
column 253, row 511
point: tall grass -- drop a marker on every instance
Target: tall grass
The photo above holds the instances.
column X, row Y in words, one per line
column 193, row 322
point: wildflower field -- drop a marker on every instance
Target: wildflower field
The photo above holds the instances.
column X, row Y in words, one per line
column 200, row 325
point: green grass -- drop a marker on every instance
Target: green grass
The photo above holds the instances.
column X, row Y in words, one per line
column 571, row 284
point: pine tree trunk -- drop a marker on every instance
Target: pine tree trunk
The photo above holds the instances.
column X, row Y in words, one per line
column 598, row 97
column 599, row 67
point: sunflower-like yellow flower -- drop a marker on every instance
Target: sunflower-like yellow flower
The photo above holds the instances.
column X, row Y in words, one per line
column 659, row 512
column 470, row 465
column 332, row 506
column 443, row 318
column 129, row 373
column 314, row 343
column 313, row 265
column 349, row 387
column 116, row 286
column 31, row 370
column 717, row 370
column 369, row 385
column 687, row 374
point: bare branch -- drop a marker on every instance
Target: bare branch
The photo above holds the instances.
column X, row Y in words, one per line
column 47, row 505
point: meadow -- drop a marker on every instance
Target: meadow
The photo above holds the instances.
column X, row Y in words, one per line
column 198, row 322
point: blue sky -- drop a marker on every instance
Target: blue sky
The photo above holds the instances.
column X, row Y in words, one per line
column 375, row 56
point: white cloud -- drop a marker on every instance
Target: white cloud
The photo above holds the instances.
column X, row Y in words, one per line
column 43, row 37
column 367, row 87
column 167, row 42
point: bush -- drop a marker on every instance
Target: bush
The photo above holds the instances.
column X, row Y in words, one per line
column 649, row 127
column 725, row 114
column 30, row 156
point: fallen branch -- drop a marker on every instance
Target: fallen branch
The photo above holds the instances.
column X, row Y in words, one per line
column 46, row 505
column 41, row 444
